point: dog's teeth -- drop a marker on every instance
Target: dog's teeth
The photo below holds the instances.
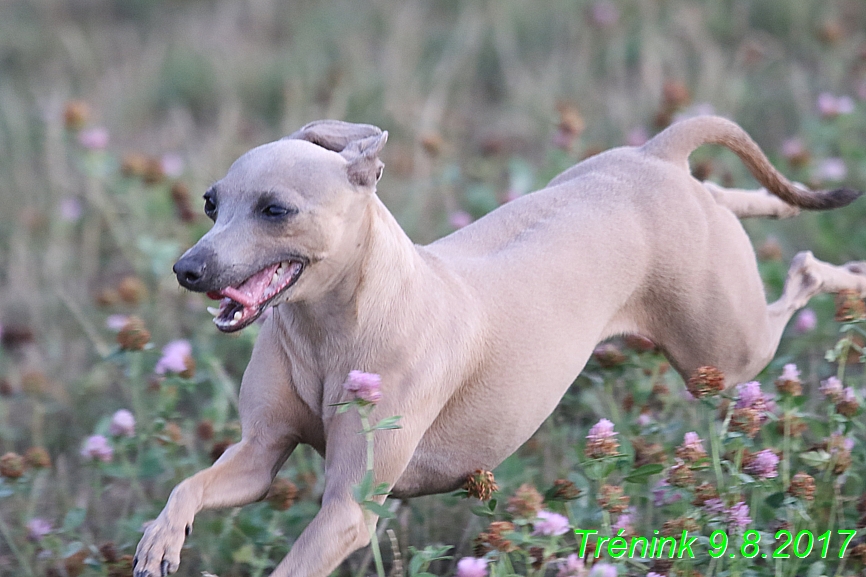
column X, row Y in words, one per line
column 276, row 276
column 214, row 311
column 237, row 316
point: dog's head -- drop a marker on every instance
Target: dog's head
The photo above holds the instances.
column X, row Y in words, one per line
column 288, row 217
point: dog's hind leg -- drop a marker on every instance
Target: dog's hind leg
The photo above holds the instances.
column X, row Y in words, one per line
column 751, row 203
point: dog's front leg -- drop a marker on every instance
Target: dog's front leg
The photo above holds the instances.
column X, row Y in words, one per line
column 241, row 475
column 342, row 524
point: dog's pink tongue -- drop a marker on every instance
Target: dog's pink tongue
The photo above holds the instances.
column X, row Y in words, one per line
column 251, row 292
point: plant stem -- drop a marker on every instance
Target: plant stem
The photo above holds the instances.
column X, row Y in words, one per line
column 22, row 560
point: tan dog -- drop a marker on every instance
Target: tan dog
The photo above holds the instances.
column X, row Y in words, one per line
column 476, row 336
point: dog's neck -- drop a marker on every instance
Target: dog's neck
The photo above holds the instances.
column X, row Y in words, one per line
column 369, row 300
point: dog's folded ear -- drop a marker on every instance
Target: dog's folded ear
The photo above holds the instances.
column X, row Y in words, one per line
column 364, row 167
column 334, row 135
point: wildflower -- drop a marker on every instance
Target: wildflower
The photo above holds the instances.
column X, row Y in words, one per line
column 859, row 552
column 802, row 486
column 795, row 152
column 737, row 516
column 563, row 490
column 692, row 450
column 12, row 465
column 38, row 458
column 832, row 169
column 97, row 447
column 493, row 539
column 176, row 358
column 172, row 165
column 459, row 219
column 849, row 306
column 604, row 14
column 706, row 382
column 715, row 505
column 796, row 425
column 746, row 421
column 637, row 136
column 550, row 524
column 481, row 485
column 612, row 499
column 601, row 441
column 831, row 388
column 662, row 494
column 526, row 502
column 570, row 125
column 703, row 493
column 122, row 423
column 681, row 475
column 847, row 404
column 282, row 494
column 38, row 528
column 603, row 570
column 109, row 552
column 472, row 567
column 806, row 321
column 750, row 396
column 571, row 566
column 608, row 355
column 181, row 198
column 134, row 335
column 624, row 523
column 70, row 209
column 93, row 138
column 763, row 464
column 789, row 382
column 830, row 106
column 364, row 386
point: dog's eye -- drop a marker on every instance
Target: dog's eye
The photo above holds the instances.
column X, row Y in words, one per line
column 277, row 211
column 209, row 207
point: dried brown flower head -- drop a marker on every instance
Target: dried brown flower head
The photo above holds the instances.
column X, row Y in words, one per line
column 646, row 453
column 12, row 465
column 204, row 430
column 132, row 290
column 746, row 420
column 608, row 355
column 134, row 335
column 681, row 475
column 493, row 539
column 38, row 458
column 563, row 490
column 703, row 493
column 849, row 306
column 75, row 114
column 480, row 485
column 526, row 502
column 675, row 527
column 802, row 486
column 612, row 499
column 282, row 494
column 706, row 381
column 181, row 198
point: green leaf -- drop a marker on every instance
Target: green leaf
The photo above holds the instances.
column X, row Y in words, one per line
column 378, row 509
column 245, row 554
column 363, row 490
column 642, row 474
column 381, row 489
column 482, row 511
column 816, row 569
column 388, row 423
column 776, row 500
column 816, row 459
column 150, row 463
column 73, row 519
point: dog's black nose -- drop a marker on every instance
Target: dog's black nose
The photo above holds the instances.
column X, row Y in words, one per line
column 190, row 272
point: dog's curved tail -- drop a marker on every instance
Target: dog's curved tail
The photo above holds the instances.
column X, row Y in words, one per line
column 677, row 142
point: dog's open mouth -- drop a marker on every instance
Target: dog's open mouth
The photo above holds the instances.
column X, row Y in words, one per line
column 242, row 304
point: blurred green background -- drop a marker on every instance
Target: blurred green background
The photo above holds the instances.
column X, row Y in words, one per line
column 115, row 116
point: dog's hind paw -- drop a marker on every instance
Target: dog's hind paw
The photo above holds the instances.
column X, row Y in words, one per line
column 158, row 552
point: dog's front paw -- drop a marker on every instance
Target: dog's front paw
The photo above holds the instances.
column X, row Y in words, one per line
column 158, row 552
